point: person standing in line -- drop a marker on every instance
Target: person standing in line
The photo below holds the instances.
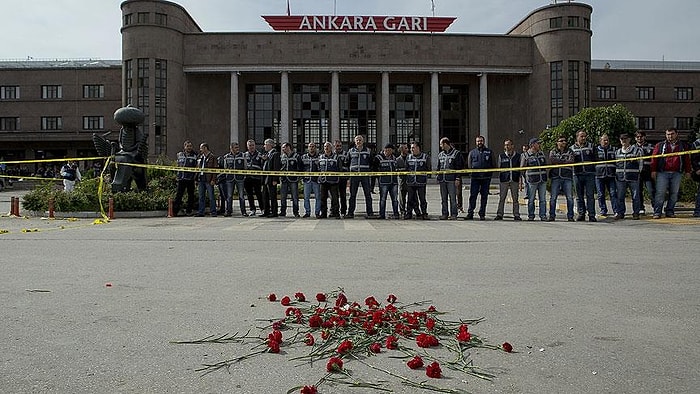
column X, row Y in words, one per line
column 343, row 180
column 584, row 176
column 668, row 172
column 401, row 166
column 271, row 163
column 234, row 160
column 289, row 162
column 311, row 185
column 479, row 158
column 509, row 180
column 605, row 176
column 253, row 183
column 360, row 160
column 645, row 182
column 207, row 180
column 524, row 148
column 449, row 158
column 185, row 179
column 695, row 164
column 328, row 162
column 416, row 162
column 532, row 161
column 385, row 162
column 627, row 176
column 562, row 179
column 70, row 174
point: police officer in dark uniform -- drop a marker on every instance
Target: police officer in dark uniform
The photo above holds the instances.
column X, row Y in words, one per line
column 449, row 159
column 584, row 176
column 605, row 176
column 385, row 162
column 253, row 183
column 479, row 158
column 417, row 161
column 343, row 180
column 271, row 163
column 360, row 161
column 289, row 162
column 328, row 162
column 234, row 160
column 185, row 179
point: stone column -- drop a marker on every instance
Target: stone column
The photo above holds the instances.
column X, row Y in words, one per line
column 285, row 135
column 335, row 107
column 483, row 108
column 384, row 132
column 234, row 134
column 434, row 118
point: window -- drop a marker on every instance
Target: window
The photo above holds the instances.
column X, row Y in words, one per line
column 454, row 116
column 683, row 93
column 9, row 92
column 51, row 91
column 311, row 114
column 51, row 123
column 358, row 112
column 586, row 23
column 645, row 122
column 606, row 92
column 142, row 17
column 683, row 123
column 572, row 21
column 93, row 91
column 161, row 19
column 128, row 19
column 93, row 122
column 128, row 82
column 645, row 93
column 405, row 113
column 555, row 22
column 574, row 105
column 557, row 92
column 161, row 106
column 9, row 124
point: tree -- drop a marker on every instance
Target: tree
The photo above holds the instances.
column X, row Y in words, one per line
column 613, row 120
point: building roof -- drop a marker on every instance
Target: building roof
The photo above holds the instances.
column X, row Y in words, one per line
column 59, row 63
column 646, row 65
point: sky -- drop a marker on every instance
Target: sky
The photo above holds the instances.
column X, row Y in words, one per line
column 89, row 29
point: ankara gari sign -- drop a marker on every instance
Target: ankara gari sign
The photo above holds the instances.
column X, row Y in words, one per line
column 359, row 23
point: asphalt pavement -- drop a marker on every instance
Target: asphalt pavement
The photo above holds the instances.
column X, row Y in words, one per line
column 607, row 307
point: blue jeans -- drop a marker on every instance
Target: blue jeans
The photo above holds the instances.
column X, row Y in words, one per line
column 315, row 187
column 541, row 189
column 600, row 185
column 206, row 188
column 585, row 187
column 670, row 181
column 355, row 183
column 566, row 185
column 392, row 190
column 230, row 185
column 636, row 197
column 448, row 190
column 285, row 188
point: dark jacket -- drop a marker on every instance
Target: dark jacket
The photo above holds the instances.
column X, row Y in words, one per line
column 451, row 160
column 505, row 161
column 207, row 161
column 271, row 163
column 481, row 159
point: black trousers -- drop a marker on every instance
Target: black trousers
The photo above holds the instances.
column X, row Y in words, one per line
column 182, row 186
column 253, row 189
column 269, row 199
column 332, row 189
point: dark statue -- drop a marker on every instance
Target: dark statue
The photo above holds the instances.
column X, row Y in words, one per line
column 132, row 148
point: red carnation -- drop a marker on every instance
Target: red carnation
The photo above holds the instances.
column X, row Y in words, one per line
column 272, row 297
column 315, row 321
column 300, row 297
column 391, row 299
column 341, row 300
column 309, row 341
column 430, row 324
column 275, row 335
column 415, row 363
column 273, row 345
column 426, row 340
column 371, row 302
column 335, row 364
column 507, row 347
column 464, row 336
column 309, row 390
column 325, row 334
column 433, row 370
column 320, row 297
column 376, row 347
column 344, row 347
column 392, row 342
column 286, row 301
column 431, row 309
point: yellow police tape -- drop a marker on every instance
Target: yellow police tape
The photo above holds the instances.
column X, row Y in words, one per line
column 341, row 173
